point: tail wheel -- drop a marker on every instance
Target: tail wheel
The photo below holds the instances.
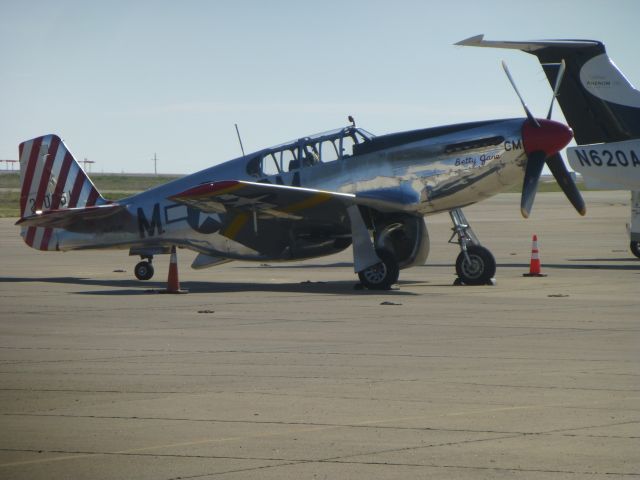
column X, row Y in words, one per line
column 635, row 248
column 143, row 271
column 479, row 269
column 381, row 275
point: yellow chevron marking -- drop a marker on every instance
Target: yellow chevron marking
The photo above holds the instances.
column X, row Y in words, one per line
column 310, row 202
column 236, row 225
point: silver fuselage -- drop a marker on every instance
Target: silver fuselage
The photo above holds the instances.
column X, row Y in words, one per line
column 434, row 170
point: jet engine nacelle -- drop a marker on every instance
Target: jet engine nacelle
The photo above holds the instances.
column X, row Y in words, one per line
column 406, row 236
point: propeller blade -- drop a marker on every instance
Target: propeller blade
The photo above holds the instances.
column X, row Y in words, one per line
column 556, row 87
column 524, row 105
column 535, row 162
column 565, row 180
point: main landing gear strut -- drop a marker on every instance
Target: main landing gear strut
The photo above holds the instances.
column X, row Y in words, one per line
column 383, row 275
column 377, row 268
column 475, row 264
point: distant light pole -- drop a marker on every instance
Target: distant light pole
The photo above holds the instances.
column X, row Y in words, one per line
column 155, row 164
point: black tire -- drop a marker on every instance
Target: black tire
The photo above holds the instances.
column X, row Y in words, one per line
column 635, row 248
column 143, row 271
column 381, row 275
column 481, row 268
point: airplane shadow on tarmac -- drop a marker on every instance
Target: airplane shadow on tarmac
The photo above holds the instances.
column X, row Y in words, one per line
column 134, row 287
column 340, row 287
column 590, row 266
column 301, row 265
column 594, row 264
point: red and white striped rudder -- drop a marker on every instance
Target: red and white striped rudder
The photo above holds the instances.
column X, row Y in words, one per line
column 51, row 179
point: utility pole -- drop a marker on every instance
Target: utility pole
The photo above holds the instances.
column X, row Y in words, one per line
column 155, row 164
column 87, row 164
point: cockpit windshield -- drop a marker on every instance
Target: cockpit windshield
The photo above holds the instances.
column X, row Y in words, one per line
column 308, row 151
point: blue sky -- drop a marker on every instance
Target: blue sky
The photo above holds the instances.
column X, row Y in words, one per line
column 120, row 80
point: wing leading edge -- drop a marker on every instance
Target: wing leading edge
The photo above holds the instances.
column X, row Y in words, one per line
column 276, row 201
column 282, row 201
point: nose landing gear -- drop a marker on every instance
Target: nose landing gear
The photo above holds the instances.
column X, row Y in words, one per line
column 475, row 264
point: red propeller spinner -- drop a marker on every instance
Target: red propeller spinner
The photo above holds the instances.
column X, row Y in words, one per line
column 549, row 137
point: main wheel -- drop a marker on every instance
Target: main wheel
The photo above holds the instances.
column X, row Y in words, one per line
column 381, row 275
column 635, row 248
column 479, row 269
column 143, row 271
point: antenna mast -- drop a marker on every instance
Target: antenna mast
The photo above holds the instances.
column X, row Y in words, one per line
column 239, row 139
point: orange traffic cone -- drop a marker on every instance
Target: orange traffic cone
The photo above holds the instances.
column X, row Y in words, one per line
column 534, row 265
column 173, row 284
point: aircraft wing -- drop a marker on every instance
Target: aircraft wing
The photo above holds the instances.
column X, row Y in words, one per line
column 63, row 218
column 282, row 201
column 266, row 199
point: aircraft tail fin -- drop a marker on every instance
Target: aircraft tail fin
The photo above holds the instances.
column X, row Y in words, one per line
column 597, row 100
column 51, row 179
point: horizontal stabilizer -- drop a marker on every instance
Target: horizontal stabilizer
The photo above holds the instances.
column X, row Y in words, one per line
column 206, row 261
column 64, row 218
column 526, row 46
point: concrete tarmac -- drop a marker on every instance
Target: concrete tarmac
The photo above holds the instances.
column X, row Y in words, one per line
column 285, row 371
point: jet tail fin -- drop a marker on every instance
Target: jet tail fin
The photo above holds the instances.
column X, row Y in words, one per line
column 51, row 179
column 597, row 100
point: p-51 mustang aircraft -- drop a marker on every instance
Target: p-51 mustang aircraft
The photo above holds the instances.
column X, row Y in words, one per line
column 313, row 196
